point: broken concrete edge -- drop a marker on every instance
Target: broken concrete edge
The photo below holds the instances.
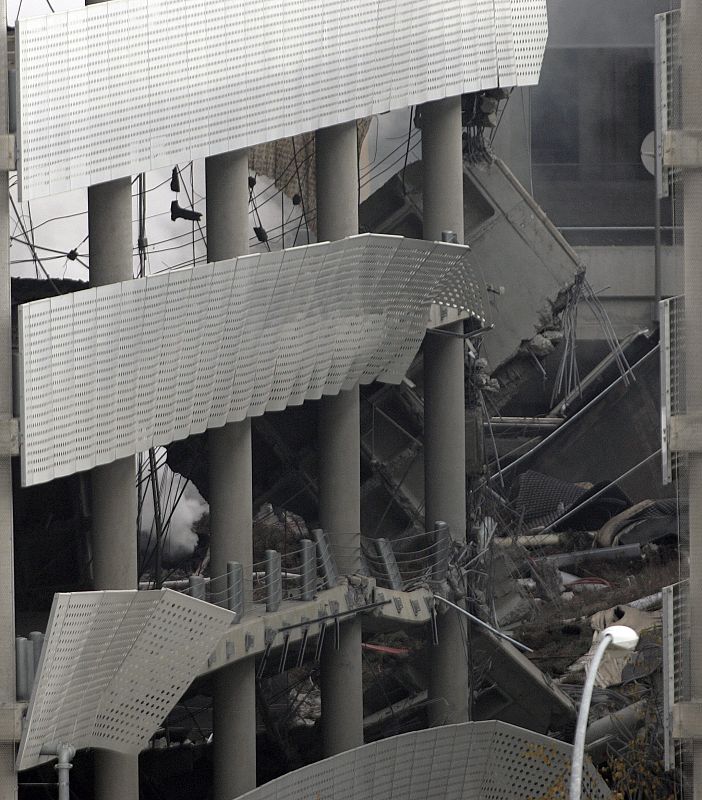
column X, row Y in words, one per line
column 541, row 214
column 294, row 620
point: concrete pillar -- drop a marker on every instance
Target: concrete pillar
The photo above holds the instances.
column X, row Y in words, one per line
column 339, row 457
column 8, row 777
column 114, row 495
column 444, row 403
column 691, row 38
column 234, row 714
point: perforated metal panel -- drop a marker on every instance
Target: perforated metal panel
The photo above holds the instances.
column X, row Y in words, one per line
column 667, row 91
column 113, row 666
column 111, row 371
column 126, row 86
column 672, row 346
column 472, row 761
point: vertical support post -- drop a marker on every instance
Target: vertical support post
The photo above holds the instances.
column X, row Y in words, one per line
column 231, row 499
column 444, row 401
column 37, row 638
column 691, row 37
column 114, row 494
column 235, row 588
column 8, row 776
column 28, row 646
column 387, row 556
column 274, row 580
column 22, row 688
column 339, row 456
column 308, row 570
column 196, row 587
column 114, row 497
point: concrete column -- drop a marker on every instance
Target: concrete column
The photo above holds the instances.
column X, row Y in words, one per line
column 444, row 403
column 234, row 725
column 691, row 38
column 234, row 715
column 114, row 495
column 8, row 777
column 339, row 456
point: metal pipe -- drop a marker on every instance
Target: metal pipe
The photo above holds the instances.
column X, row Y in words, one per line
column 309, row 569
column 533, row 540
column 21, row 686
column 576, row 774
column 65, row 755
column 37, row 638
column 28, row 647
column 480, row 622
column 197, row 587
column 647, row 603
column 602, row 731
column 274, row 580
column 621, row 553
column 531, row 424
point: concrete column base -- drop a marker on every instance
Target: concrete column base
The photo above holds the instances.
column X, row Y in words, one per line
column 234, row 730
column 449, row 691
column 342, row 690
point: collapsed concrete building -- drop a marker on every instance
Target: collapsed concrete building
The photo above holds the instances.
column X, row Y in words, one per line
column 411, row 458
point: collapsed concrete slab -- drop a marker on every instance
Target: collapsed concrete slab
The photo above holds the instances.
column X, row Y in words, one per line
column 525, row 263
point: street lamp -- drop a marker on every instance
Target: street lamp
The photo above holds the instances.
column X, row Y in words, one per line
column 620, row 637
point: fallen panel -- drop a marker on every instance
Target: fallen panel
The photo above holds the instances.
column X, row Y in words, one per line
column 111, row 371
column 127, row 86
column 113, row 666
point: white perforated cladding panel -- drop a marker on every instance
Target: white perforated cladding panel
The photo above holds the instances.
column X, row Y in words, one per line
column 111, row 371
column 113, row 666
column 126, row 86
column 472, row 761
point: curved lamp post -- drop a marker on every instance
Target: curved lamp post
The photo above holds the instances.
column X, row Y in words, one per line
column 619, row 637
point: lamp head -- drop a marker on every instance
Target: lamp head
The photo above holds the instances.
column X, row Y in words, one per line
column 623, row 637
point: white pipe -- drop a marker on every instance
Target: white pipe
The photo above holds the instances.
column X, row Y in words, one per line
column 576, row 774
